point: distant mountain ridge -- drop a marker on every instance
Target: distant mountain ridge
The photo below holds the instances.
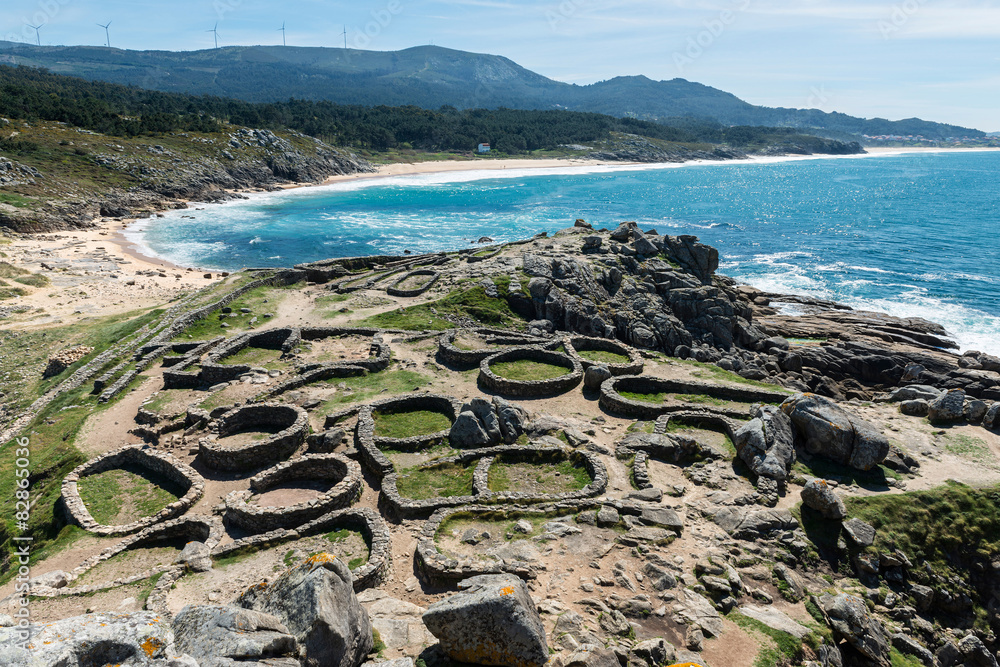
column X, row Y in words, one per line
column 431, row 77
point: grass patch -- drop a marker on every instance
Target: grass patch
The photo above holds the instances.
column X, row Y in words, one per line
column 702, row 399
column 941, row 525
column 782, row 649
column 465, row 304
column 603, row 356
column 711, row 371
column 968, row 447
column 256, row 356
column 8, row 270
column 33, row 280
column 15, row 200
column 325, row 305
column 11, row 292
column 874, row 479
column 107, row 494
column 235, row 557
column 645, row 398
column 443, row 480
column 259, row 300
column 406, row 424
column 897, row 659
column 562, row 477
column 364, row 387
column 526, row 370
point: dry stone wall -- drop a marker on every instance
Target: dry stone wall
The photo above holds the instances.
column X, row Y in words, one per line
column 291, row 419
column 158, row 462
column 531, row 388
column 612, row 401
column 343, row 474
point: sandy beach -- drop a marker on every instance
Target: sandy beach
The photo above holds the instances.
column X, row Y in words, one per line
column 98, row 271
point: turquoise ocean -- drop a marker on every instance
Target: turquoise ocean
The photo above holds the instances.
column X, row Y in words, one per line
column 912, row 234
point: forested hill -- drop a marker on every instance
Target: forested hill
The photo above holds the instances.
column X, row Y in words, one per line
column 30, row 94
column 431, row 77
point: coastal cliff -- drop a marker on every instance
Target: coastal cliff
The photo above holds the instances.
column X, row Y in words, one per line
column 64, row 178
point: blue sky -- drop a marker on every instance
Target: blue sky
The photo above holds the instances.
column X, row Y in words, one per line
column 935, row 59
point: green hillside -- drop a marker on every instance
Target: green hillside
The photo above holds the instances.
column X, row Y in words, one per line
column 430, row 77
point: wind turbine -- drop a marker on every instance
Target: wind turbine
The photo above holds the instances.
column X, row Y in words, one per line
column 38, row 36
column 282, row 29
column 106, row 33
column 215, row 31
column 345, row 37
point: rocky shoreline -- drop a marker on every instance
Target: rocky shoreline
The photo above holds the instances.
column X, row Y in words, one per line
column 163, row 179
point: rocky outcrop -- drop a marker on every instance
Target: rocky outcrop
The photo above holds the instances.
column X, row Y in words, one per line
column 491, row 621
column 212, row 634
column 316, row 603
column 851, row 621
column 818, row 495
column 660, row 294
column 765, row 443
column 825, row 429
column 164, row 180
column 948, row 407
column 482, row 423
column 141, row 639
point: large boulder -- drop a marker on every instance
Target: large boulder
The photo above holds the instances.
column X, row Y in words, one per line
column 698, row 611
column 766, row 443
column 137, row 639
column 315, row 600
column 949, row 407
column 197, row 556
column 975, row 653
column 818, row 495
column 513, row 419
column 209, row 633
column 850, row 620
column 914, row 392
column 468, row 431
column 588, row 655
column 754, row 525
column 490, row 621
column 481, row 423
column 992, row 418
column 825, row 429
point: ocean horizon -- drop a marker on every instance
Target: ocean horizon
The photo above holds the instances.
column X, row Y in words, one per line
column 901, row 233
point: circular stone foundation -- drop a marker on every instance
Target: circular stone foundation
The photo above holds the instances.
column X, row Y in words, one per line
column 193, row 528
column 142, row 456
column 291, row 419
column 341, row 473
column 529, row 388
column 369, row 443
column 632, row 363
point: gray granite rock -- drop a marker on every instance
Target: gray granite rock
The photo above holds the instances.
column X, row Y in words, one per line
column 316, row 601
column 818, row 495
column 490, row 621
column 138, row 639
column 850, row 620
column 210, row 632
